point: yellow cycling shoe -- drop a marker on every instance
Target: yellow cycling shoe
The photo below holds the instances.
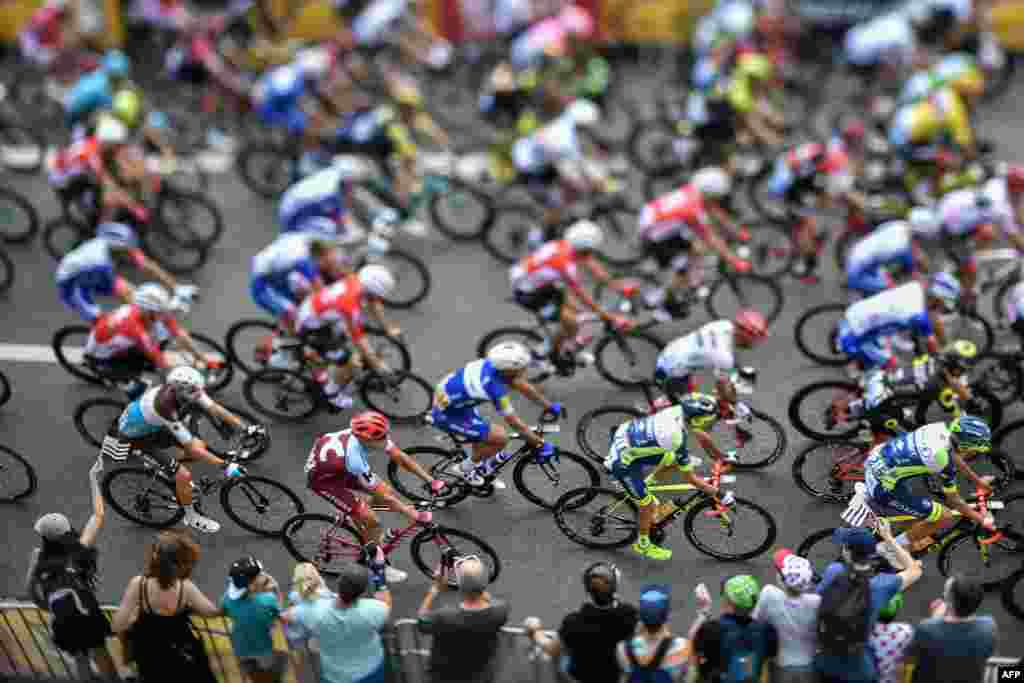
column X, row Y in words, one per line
column 652, row 551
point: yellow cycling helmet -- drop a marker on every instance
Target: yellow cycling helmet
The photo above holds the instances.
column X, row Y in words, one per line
column 407, row 95
column 970, row 81
column 127, row 107
column 756, row 67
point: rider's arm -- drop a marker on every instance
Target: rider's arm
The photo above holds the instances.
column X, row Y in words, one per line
column 588, row 300
column 183, row 337
column 711, row 236
column 708, row 444
column 408, row 463
column 504, row 406
column 962, row 466
column 597, row 270
column 150, row 267
column 954, row 501
column 217, row 410
column 376, row 309
column 383, row 492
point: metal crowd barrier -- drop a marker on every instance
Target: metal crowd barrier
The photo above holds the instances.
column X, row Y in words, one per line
column 28, row 653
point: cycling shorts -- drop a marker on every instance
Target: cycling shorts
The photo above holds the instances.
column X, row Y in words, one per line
column 466, row 421
column 632, row 476
column 869, row 352
column 271, row 296
column 77, row 292
column 900, row 500
column 283, row 113
column 673, row 252
column 125, row 366
column 341, row 492
column 545, row 302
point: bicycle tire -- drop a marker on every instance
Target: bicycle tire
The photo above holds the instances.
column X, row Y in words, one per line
column 624, row 239
column 804, row 482
column 987, row 336
column 1002, row 377
column 757, row 203
column 796, row 419
column 13, row 203
column 295, row 524
column 1008, row 595
column 399, row 383
column 220, row 378
column 697, row 511
column 20, row 463
column 513, row 223
column 601, row 361
column 999, row 466
column 90, row 376
column 177, row 256
column 999, row 300
column 277, row 377
column 91, row 438
column 776, row 452
column 591, row 450
column 284, row 167
column 998, row 84
column 150, row 476
column 6, row 271
column 415, row 265
column 577, row 498
column 770, row 250
column 251, row 483
column 201, row 423
column 440, row 468
column 58, row 247
column 206, row 239
column 1003, row 440
column 482, row 550
column 717, row 311
column 979, row 395
column 15, row 135
column 231, row 340
column 5, row 389
column 842, row 246
column 448, row 229
column 948, row 567
column 519, row 474
column 530, row 338
column 378, row 340
column 822, row 541
column 653, row 164
column 835, row 360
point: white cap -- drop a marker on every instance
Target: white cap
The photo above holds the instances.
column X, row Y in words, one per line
column 585, row 235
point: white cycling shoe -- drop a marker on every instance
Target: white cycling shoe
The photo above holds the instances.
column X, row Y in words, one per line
column 392, row 575
column 200, row 523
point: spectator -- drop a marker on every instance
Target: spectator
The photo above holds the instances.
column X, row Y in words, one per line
column 853, row 661
column 253, row 602
column 348, row 628
column 654, row 648
column 588, row 636
column 889, row 641
column 734, row 647
column 155, row 610
column 954, row 644
column 794, row 614
column 465, row 636
column 62, row 579
column 308, row 588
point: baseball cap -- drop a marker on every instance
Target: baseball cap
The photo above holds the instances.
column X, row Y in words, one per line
column 742, row 591
column 52, row 526
column 655, row 604
column 796, row 571
column 859, row 540
column 241, row 573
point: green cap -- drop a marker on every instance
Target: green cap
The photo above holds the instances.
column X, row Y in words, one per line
column 888, row 613
column 742, row 591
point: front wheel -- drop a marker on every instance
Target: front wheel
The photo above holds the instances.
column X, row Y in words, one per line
column 1010, row 440
column 758, row 443
column 266, row 169
column 627, row 360
column 220, row 436
column 462, row 213
column 142, row 496
column 61, row 235
column 193, row 213
column 402, row 396
column 244, row 339
column 281, row 395
column 981, row 404
column 412, row 278
column 441, row 546
column 1013, row 594
column 991, row 564
column 507, row 235
column 94, row 417
column 543, row 484
column 733, row 293
column 68, row 345
column 816, row 334
column 19, row 220
column 260, row 505
column 743, row 531
column 596, row 428
column 820, row 551
column 810, row 407
column 17, row 476
column 597, row 518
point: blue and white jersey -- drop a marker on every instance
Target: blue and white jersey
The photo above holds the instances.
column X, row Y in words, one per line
column 889, row 311
column 289, row 253
column 89, row 257
column 315, row 195
column 923, row 83
column 141, row 419
column 887, row 39
column 889, row 243
column 284, row 86
column 476, row 382
column 926, row 450
column 551, row 144
column 377, row 19
column 90, row 93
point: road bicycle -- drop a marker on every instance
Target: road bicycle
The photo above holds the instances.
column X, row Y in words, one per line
column 1010, row 440
column 1012, row 593
column 146, row 496
column 19, row 220
column 963, row 548
column 332, row 541
column 6, row 271
column 541, row 483
column 757, row 439
column 605, row 518
column 5, row 389
column 17, row 476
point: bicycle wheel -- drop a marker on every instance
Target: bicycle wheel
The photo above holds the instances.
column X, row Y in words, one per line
column 220, row 436
column 758, row 443
column 744, row 532
column 462, row 213
column 281, row 395
column 542, row 485
column 6, row 271
column 393, row 352
column 815, row 333
column 992, row 464
column 627, row 360
column 652, row 148
column 820, row 551
column 621, row 247
column 506, row 236
column 142, row 496
column 529, row 338
column 440, row 463
column 17, row 476
column 597, row 518
column 770, row 250
column 829, row 469
column 810, row 406
column 5, row 389
column 67, row 345
column 981, row 404
column 94, row 417
column 412, row 278
column 19, row 220
column 731, row 293
column 1010, row 440
column 1013, row 594
column 440, row 545
column 242, row 340
column 596, row 428
column 322, row 541
column 973, row 328
column 175, row 251
column 193, row 213
column 763, row 201
column 21, row 150
column 216, row 378
column 1002, row 377
column 991, row 564
column 61, row 235
column 402, row 397
column 260, row 505
column 266, row 169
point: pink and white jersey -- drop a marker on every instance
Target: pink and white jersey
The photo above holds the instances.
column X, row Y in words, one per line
column 678, row 213
column 528, row 48
column 122, row 330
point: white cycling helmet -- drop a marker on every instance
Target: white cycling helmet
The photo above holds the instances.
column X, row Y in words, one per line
column 584, row 235
column 152, row 297
column 187, row 383
column 377, row 280
column 315, row 62
column 509, row 355
column 922, row 221
column 712, row 182
column 118, row 235
column 110, row 131
column 583, row 113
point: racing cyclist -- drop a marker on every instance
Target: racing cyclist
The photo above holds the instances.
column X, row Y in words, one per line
column 338, row 469
column 94, row 91
column 50, row 34
column 935, row 448
column 88, row 270
column 334, row 315
column 156, row 421
column 322, row 199
column 458, row 393
column 891, row 246
column 660, row 441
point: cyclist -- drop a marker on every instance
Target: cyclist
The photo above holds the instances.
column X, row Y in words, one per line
column 94, row 91
column 907, row 308
column 711, row 347
column 88, row 270
column 671, row 223
column 890, row 246
column 156, row 421
column 334, row 316
column 748, row 85
column 338, row 469
column 151, row 128
column 120, row 171
column 322, row 198
column 551, row 36
column 924, row 82
column 458, row 393
column 50, row 33
column 660, row 441
column 540, row 280
column 935, row 448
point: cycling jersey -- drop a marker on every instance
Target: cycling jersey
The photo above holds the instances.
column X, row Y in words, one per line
column 733, row 20
column 88, row 270
column 92, row 93
column 888, row 39
column 867, row 321
column 890, row 245
column 552, row 264
column 923, row 83
column 546, row 36
column 711, row 346
column 940, row 116
column 1015, row 304
column 338, row 307
column 277, row 96
column 458, row 394
column 795, row 171
column 122, row 330
column 646, row 442
column 511, row 15
column 963, row 211
column 379, row 18
column 319, row 195
column 926, row 450
column 43, row 36
column 141, row 419
column 283, row 273
column 678, row 214
column 553, row 143
column 338, row 464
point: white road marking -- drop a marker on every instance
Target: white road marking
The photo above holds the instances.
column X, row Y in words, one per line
column 36, row 353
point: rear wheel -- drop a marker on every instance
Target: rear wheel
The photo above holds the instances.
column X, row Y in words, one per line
column 68, row 344
column 829, row 469
column 1010, row 440
column 402, row 396
column 758, row 443
column 733, row 293
column 282, row 395
column 6, row 271
column 981, row 404
column 506, row 237
column 816, row 334
column 19, row 220
column 412, row 278
column 542, row 485
column 810, row 407
column 142, row 496
column 1000, row 376
column 597, row 518
column 260, row 505
column 627, row 360
column 17, row 477
column 441, row 546
column 461, row 213
column 266, row 169
column 94, row 417
column 440, row 463
column 242, row 340
column 61, row 235
column 596, row 428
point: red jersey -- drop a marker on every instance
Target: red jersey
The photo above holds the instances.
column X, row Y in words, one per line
column 680, row 210
column 550, row 264
column 77, row 158
column 45, row 24
column 122, row 330
column 339, row 304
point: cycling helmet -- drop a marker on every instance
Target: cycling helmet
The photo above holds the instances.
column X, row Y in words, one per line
column 576, row 21
column 932, row 21
column 853, row 132
column 152, row 297
column 319, row 226
column 118, row 235
column 737, row 19
column 1015, row 179
column 315, row 62
column 583, row 113
column 243, row 571
column 888, row 613
column 712, row 182
column 922, row 221
column 945, row 287
column 115, row 64
column 509, row 356
column 970, row 433
column 127, row 107
column 110, row 131
column 752, row 323
column 370, row 426
column 377, row 280
column 187, row 383
column 699, row 410
column 756, row 67
column 584, row 235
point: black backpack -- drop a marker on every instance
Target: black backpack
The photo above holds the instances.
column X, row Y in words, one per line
column 845, row 614
column 68, row 595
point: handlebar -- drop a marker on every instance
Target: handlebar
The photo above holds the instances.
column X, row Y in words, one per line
column 983, row 509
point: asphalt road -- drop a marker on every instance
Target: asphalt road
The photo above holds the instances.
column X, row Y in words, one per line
column 541, row 569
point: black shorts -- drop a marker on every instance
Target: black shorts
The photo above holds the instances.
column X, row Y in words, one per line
column 665, row 251
column 124, row 367
column 157, row 446
column 538, row 300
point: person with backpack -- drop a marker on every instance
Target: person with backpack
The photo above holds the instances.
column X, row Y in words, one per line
column 253, row 603
column 62, row 580
column 654, row 655
column 852, row 597
column 734, row 648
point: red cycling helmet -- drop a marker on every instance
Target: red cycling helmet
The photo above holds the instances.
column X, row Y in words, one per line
column 370, row 425
column 752, row 323
column 854, row 132
column 1015, row 179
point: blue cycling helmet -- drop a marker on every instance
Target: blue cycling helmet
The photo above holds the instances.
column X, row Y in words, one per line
column 699, row 410
column 118, row 235
column 970, row 433
column 945, row 287
column 115, row 64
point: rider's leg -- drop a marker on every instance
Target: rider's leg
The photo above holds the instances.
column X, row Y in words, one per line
column 368, row 524
column 568, row 324
column 490, row 453
column 183, row 486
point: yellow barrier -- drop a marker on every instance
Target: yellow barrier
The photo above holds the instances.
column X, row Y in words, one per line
column 13, row 16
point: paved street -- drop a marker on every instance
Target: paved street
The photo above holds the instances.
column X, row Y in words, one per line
column 541, row 569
